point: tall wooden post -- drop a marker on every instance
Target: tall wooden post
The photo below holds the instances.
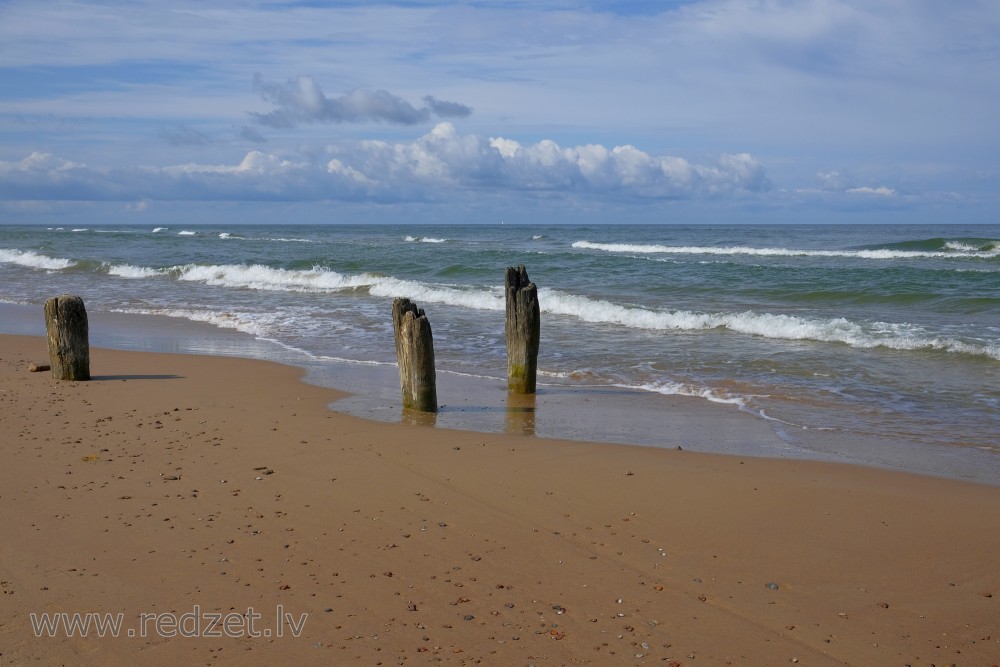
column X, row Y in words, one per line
column 415, row 354
column 68, row 333
column 522, row 330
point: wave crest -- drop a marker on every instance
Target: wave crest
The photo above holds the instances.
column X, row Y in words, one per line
column 135, row 272
column 424, row 239
column 776, row 326
column 34, row 260
column 951, row 249
column 766, row 325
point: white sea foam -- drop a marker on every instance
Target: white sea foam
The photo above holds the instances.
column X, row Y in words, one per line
column 476, row 299
column 677, row 389
column 260, row 277
column 235, row 237
column 159, row 229
column 767, row 325
column 130, row 271
column 34, row 260
column 989, row 247
column 423, row 239
column 246, row 323
column 185, row 232
column 80, row 229
column 256, row 276
column 959, row 251
column 354, row 362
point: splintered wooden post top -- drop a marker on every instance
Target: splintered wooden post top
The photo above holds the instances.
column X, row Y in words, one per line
column 415, row 354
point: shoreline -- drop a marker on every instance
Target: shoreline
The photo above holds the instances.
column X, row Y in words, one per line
column 623, row 416
column 178, row 481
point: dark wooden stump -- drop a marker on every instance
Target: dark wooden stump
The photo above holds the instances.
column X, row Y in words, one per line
column 522, row 330
column 68, row 334
column 415, row 354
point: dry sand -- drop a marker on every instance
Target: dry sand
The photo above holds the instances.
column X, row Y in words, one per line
column 175, row 485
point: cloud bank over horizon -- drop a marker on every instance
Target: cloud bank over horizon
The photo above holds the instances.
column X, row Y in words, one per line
column 429, row 168
column 843, row 110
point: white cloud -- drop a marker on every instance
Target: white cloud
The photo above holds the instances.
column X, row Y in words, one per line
column 881, row 190
column 439, row 165
column 301, row 100
column 836, row 182
column 595, row 168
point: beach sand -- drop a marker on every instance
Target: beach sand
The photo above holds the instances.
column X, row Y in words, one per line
column 175, row 490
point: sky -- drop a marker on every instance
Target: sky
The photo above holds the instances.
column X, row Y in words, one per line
column 677, row 111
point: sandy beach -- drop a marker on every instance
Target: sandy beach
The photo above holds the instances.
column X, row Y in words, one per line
column 227, row 516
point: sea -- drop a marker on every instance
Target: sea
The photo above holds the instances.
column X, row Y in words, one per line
column 877, row 345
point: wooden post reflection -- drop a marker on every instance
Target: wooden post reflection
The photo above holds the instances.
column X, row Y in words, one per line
column 418, row 417
column 520, row 415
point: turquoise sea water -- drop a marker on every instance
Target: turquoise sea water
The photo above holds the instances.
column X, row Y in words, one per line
column 823, row 334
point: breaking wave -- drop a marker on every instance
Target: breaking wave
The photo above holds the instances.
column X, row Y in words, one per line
column 423, row 239
column 231, row 236
column 130, row 271
column 778, row 326
column 933, row 248
column 34, row 260
column 767, row 325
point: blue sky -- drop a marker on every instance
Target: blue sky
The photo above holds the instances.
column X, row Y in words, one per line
column 567, row 110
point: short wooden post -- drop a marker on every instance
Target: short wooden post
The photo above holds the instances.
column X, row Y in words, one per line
column 415, row 354
column 522, row 330
column 68, row 334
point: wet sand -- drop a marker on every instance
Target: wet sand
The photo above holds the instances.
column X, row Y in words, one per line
column 176, row 485
column 594, row 413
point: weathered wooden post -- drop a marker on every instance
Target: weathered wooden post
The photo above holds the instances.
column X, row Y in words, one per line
column 415, row 354
column 68, row 334
column 523, row 329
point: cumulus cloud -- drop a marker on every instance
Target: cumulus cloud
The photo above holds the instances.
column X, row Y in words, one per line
column 43, row 176
column 445, row 159
column 301, row 100
column 439, row 165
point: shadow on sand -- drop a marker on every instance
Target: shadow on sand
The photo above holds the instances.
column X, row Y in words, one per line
column 105, row 378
